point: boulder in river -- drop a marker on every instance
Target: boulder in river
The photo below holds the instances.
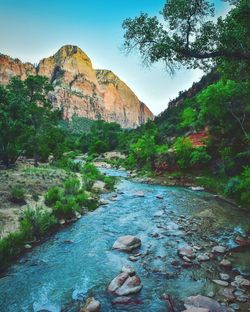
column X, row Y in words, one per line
column 241, row 281
column 205, row 303
column 197, row 188
column 186, row 252
column 220, row 282
column 127, row 243
column 92, row 305
column 125, row 283
column 242, row 241
column 226, row 263
column 203, row 257
column 219, row 249
column 196, row 310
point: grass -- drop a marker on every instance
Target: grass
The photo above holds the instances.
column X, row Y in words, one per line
column 63, row 202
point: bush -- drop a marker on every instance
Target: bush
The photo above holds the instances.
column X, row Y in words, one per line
column 109, row 182
column 10, row 247
column 37, row 223
column 18, row 195
column 71, row 186
column 199, row 156
column 52, row 196
column 66, row 208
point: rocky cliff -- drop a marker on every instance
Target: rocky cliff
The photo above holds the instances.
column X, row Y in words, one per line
column 81, row 90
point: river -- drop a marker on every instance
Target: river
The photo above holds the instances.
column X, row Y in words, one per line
column 78, row 261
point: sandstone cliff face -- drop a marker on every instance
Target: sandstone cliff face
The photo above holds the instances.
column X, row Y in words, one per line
column 80, row 90
column 10, row 67
column 121, row 104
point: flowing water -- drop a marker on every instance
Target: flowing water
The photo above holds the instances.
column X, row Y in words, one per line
column 78, row 261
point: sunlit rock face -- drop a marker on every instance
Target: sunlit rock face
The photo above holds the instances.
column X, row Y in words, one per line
column 10, row 67
column 81, row 90
column 121, row 104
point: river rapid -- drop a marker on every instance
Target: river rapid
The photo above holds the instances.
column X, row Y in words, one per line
column 79, row 262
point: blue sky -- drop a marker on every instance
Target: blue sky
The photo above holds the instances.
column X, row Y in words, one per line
column 34, row 29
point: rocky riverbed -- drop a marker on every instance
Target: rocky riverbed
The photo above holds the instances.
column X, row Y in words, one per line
column 185, row 251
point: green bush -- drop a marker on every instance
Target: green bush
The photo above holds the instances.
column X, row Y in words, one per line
column 18, row 195
column 199, row 156
column 52, row 196
column 71, row 186
column 66, row 208
column 10, row 247
column 109, row 182
column 37, row 223
column 244, row 188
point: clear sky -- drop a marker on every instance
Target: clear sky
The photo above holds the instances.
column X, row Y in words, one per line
column 33, row 29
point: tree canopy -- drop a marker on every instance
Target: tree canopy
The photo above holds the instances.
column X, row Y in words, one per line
column 189, row 36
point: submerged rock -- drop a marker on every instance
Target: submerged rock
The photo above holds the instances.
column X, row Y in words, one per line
column 127, row 243
column 139, row 194
column 92, row 305
column 206, row 303
column 196, row 310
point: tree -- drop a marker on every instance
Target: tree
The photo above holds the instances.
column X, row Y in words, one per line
column 13, row 125
column 188, row 36
column 27, row 120
column 224, row 106
column 41, row 116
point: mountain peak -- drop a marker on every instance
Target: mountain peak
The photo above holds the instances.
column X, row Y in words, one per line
column 71, row 52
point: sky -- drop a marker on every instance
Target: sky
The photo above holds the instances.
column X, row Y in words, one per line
column 33, row 29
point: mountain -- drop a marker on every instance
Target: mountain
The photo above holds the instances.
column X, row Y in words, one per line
column 81, row 90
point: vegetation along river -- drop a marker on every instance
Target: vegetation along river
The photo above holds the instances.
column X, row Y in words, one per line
column 79, row 262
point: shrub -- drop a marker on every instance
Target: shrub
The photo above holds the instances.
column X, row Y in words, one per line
column 82, row 198
column 10, row 247
column 199, row 156
column 66, row 208
column 37, row 223
column 244, row 187
column 109, row 182
column 71, row 186
column 18, row 195
column 52, row 196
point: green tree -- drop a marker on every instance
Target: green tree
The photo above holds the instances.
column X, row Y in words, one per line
column 188, row 36
column 29, row 124
column 13, row 124
column 42, row 118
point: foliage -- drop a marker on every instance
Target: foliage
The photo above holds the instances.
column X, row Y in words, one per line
column 37, row 223
column 238, row 187
column 143, row 152
column 102, row 137
column 71, row 186
column 183, row 148
column 188, row 35
column 29, row 125
column 18, row 194
column 52, row 196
